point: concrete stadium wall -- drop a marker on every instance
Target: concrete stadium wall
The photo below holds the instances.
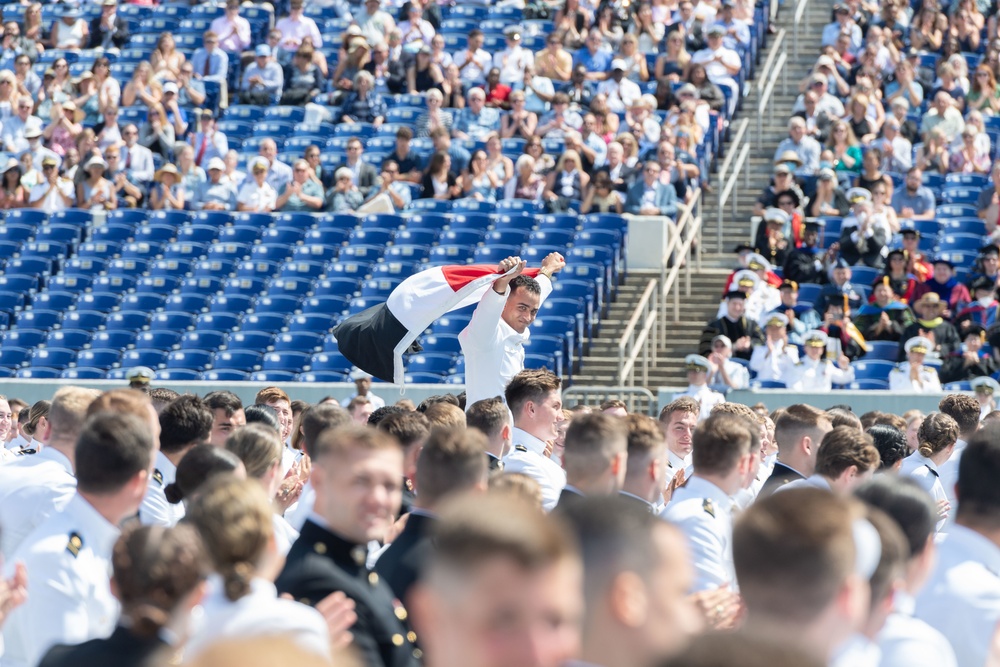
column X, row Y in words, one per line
column 860, row 401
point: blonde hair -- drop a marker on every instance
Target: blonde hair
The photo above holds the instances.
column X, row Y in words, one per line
column 937, row 432
column 234, row 517
column 258, row 446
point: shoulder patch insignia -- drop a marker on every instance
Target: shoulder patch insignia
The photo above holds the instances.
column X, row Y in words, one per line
column 520, row 448
column 158, row 477
column 75, row 544
column 26, row 452
column 709, row 507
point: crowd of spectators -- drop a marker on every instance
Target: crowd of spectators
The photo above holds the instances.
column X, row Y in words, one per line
column 603, row 107
column 880, row 221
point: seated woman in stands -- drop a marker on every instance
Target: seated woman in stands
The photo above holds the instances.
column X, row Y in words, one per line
column 98, row 192
column 846, row 148
column 439, row 181
column 933, row 154
column 969, row 159
column 601, row 198
column 567, row 183
column 871, row 173
column 482, row 182
column 526, row 184
column 168, row 192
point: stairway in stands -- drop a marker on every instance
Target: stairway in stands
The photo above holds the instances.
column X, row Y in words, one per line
column 601, row 363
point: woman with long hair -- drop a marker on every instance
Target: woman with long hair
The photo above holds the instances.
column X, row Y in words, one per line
column 31, row 27
column 422, row 74
column 12, row 193
column 648, row 32
column 482, row 181
column 526, row 184
column 157, row 134
column 201, row 464
column 61, row 132
column 567, row 183
column 708, row 92
column 141, row 87
column 87, row 99
column 234, row 518
column 439, row 181
column 501, row 165
column 542, row 162
column 607, row 121
column 168, row 192
column 672, row 64
column 969, row 159
column 985, row 94
column 166, row 60
column 845, row 146
column 109, row 91
column 158, row 575
column 98, row 193
column 932, row 155
column 634, row 59
column 572, row 22
column 601, row 198
column 518, row 122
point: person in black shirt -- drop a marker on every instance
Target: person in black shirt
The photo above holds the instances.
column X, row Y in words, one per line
column 410, row 165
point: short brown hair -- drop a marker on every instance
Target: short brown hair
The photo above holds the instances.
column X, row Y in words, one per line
column 612, row 403
column 963, row 409
column 684, row 404
column 452, row 460
column 336, row 442
column 646, row 441
column 519, row 487
column 890, row 419
column 111, row 450
column 69, row 411
column 530, row 386
column 937, row 432
column 131, row 401
column 844, row 447
column 319, row 418
column 592, row 442
column 445, row 415
column 739, row 410
column 409, row 428
column 793, row 550
column 720, row 441
column 841, row 417
column 271, row 395
column 796, row 422
column 489, row 415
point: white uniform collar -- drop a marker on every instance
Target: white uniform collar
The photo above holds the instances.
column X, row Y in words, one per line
column 167, row 469
column 53, row 454
column 103, row 533
column 642, row 500
column 529, row 441
column 699, row 486
column 676, row 462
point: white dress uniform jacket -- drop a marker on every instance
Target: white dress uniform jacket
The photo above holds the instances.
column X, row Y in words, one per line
column 528, row 458
column 899, row 380
column 494, row 352
column 708, row 398
column 738, row 375
column 819, row 375
column 949, row 473
column 703, row 512
column 32, row 489
column 259, row 613
column 962, row 598
column 811, row 482
column 927, row 474
column 69, row 601
column 156, row 510
column 774, row 365
column 906, row 641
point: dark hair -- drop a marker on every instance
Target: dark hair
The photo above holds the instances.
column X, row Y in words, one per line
column 937, row 432
column 963, row 409
column 592, row 442
column 903, row 500
column 404, row 133
column 528, row 284
column 840, row 417
column 720, row 441
column 111, row 450
column 715, row 649
column 223, row 400
column 436, row 162
column 439, row 398
column 407, row 427
column 489, row 415
column 379, row 414
column 184, row 422
column 530, row 386
column 890, row 443
column 844, row 447
column 452, row 461
column 265, row 414
column 978, row 471
column 317, row 419
column 200, row 464
column 154, row 569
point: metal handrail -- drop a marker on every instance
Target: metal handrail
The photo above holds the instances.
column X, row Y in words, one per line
column 726, row 189
column 638, row 399
column 646, row 311
column 688, row 228
column 800, row 16
column 765, row 97
column 764, row 75
column 732, row 150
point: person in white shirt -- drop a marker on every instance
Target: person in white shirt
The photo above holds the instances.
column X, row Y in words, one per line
column 295, row 27
column 54, row 193
column 775, row 359
column 962, row 596
column 937, row 436
column 697, row 368
column 985, row 389
column 512, row 60
column 256, row 194
column 678, row 420
column 721, row 64
column 645, row 470
column 621, row 91
column 234, row 518
column 233, row 30
column 816, row 373
column 473, row 61
column 415, row 28
column 493, row 343
column 911, row 376
column 33, row 488
column 726, row 374
column 69, row 554
column 723, row 456
column 184, row 423
column 362, row 386
column 846, row 459
column 136, row 158
column 534, row 400
column 964, row 410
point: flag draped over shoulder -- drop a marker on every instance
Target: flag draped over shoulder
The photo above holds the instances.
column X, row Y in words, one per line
column 375, row 339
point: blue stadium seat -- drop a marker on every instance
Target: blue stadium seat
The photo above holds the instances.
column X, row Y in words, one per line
column 154, row 233
column 16, row 233
column 431, row 362
column 299, row 341
column 236, row 303
column 959, row 195
column 250, row 340
column 330, row 237
column 22, row 338
column 80, row 373
column 330, row 361
column 963, row 225
column 511, row 236
column 271, row 377
column 869, row 384
column 330, row 303
column 54, row 300
column 435, row 205
column 948, row 211
column 236, row 360
column 220, row 375
column 297, row 287
column 38, row 373
column 314, row 322
column 872, row 370
column 323, row 376
column 371, row 236
column 264, row 322
column 171, row 321
column 416, row 236
column 150, row 358
column 18, row 284
column 295, row 269
column 451, row 324
column 468, row 238
column 292, row 362
column 177, row 374
column 38, row 319
column 101, row 302
column 157, row 340
column 32, row 266
column 194, row 360
column 243, row 287
column 379, row 288
column 52, row 357
column 73, row 339
column 54, row 233
column 66, row 283
column 361, row 253
column 97, row 250
column 494, row 254
column 280, row 304
column 960, row 242
column 272, row 252
column 26, row 216
column 111, row 233
column 424, row 378
column 12, row 357
column 343, row 286
column 202, row 340
column 441, row 343
column 287, row 234
column 515, row 220
column 129, row 320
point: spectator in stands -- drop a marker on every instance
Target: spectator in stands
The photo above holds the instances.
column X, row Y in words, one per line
column 949, row 290
column 620, row 175
column 157, row 134
column 137, row 160
column 912, row 376
column 969, row 159
column 72, row 32
column 943, row 115
column 392, row 186
column 453, row 88
column 166, row 60
column 303, row 80
column 168, row 193
column 845, row 147
column 416, row 29
column 440, row 181
column 60, row 133
column 30, row 176
column 601, row 197
column 672, row 63
column 98, row 193
column 190, row 91
column 843, row 23
column 526, row 184
column 210, row 63
column 620, row 91
column 26, row 82
column 476, row 120
column 14, row 126
column 650, row 196
column 721, row 64
column 142, row 87
column 263, row 80
column 217, row 193
column 896, row 150
column 886, row 317
column 53, row 193
column 497, row 93
column 363, row 174
column 863, row 233
column 233, row 30
column 363, row 104
column 12, row 193
column 392, row 73
column 257, row 195
column 278, row 173
column 422, row 75
column 409, row 163
column 972, row 360
column 375, row 23
column 560, row 120
column 805, row 147
column 930, row 309
column 840, row 286
column 566, row 183
column 512, row 60
column 35, row 148
column 774, row 359
column 985, row 93
column 129, row 194
column 829, row 198
column 933, row 153
column 208, row 142
column 693, row 26
column 193, row 177
column 782, row 180
column 518, row 122
column 473, row 61
column 107, row 131
column 537, row 89
column 301, row 193
column 482, row 182
column 108, row 30
column 459, row 156
column 295, row 26
column 554, row 62
column 915, row 201
column 86, row 99
column 982, row 310
column 233, row 173
column 742, row 331
column 344, row 196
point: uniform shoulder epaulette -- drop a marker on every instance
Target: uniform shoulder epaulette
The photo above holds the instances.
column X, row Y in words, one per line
column 709, row 507
column 520, row 448
column 158, row 477
column 799, row 363
column 26, row 452
column 75, row 544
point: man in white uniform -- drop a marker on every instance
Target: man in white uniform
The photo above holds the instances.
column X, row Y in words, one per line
column 964, row 409
column 363, row 385
column 534, row 400
column 69, row 554
column 986, row 388
column 775, row 358
column 815, row 372
column 184, row 423
column 912, row 376
column 697, row 368
column 702, row 508
column 33, row 488
column 493, row 343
